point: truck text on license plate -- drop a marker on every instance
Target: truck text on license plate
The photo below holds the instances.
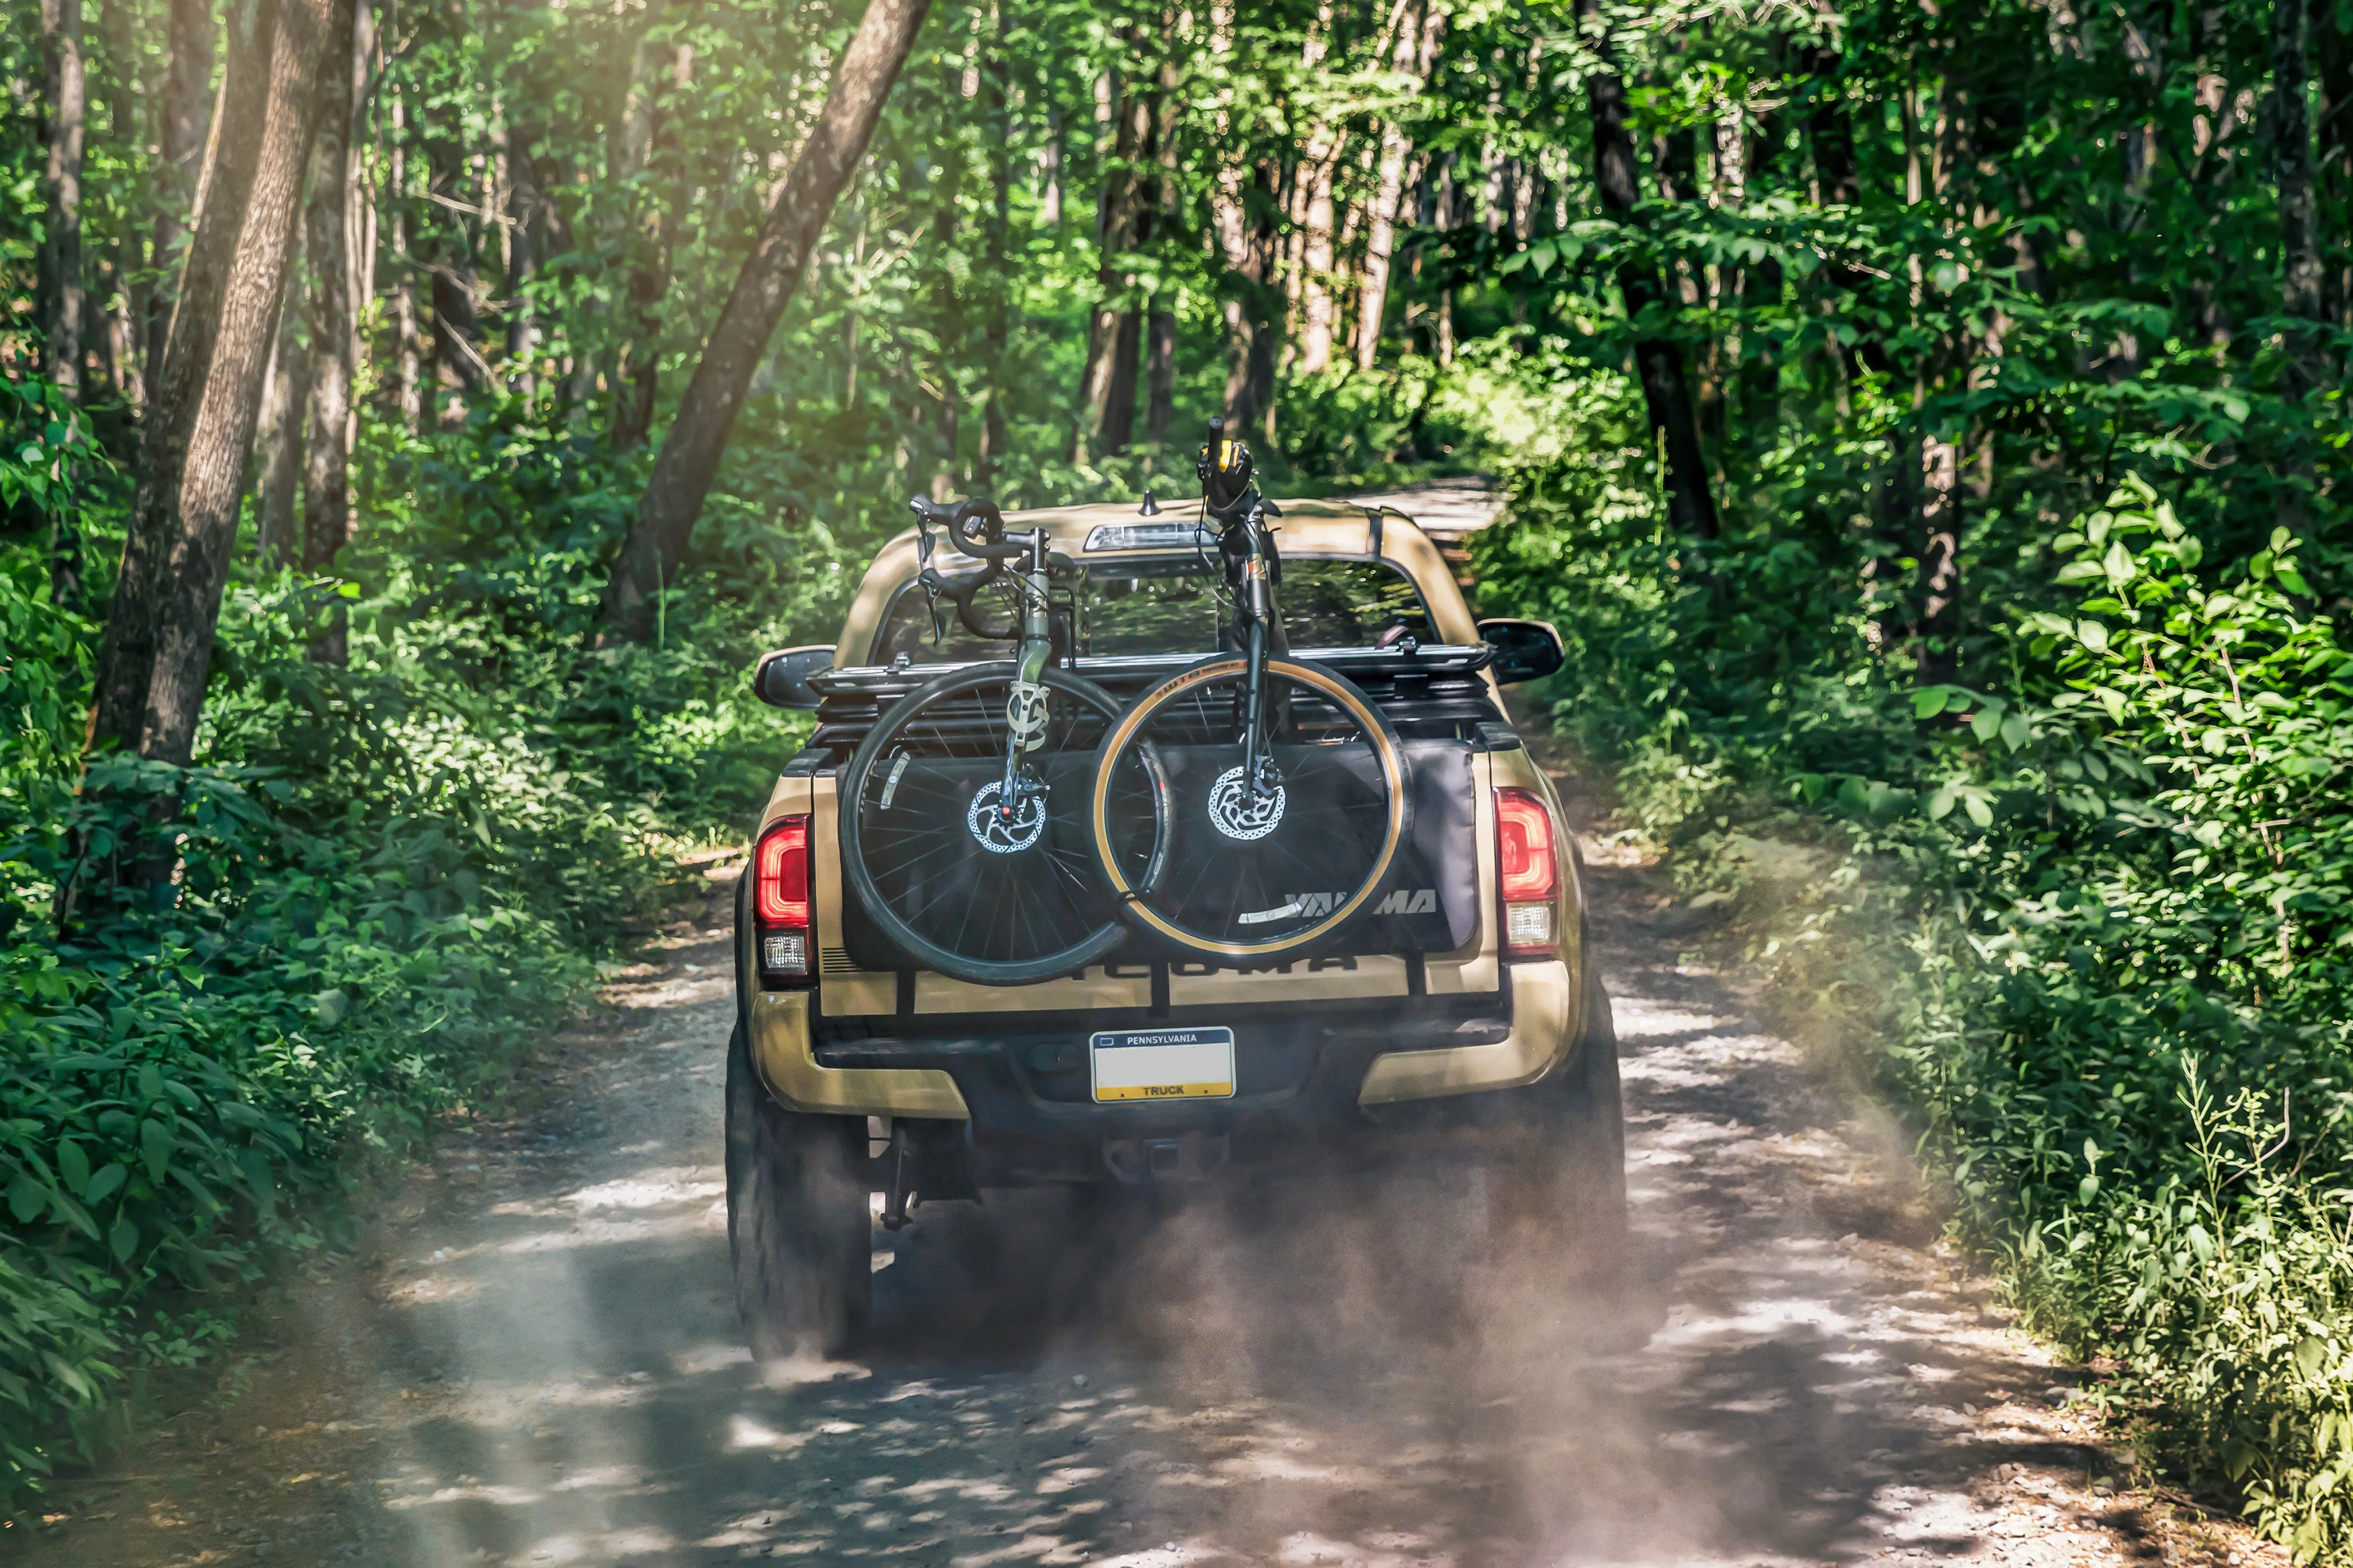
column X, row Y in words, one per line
column 1163, row 1064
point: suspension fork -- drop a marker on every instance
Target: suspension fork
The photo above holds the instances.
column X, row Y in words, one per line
column 1258, row 606
column 1036, row 648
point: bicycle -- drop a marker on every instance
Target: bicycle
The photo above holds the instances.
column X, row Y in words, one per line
column 955, row 835
column 1249, row 807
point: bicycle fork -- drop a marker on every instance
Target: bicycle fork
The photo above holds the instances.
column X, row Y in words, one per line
column 1258, row 602
column 1025, row 708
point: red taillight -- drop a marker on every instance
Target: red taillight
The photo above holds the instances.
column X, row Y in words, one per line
column 1530, row 876
column 780, row 899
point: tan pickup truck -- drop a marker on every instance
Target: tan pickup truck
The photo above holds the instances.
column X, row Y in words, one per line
column 1461, row 1022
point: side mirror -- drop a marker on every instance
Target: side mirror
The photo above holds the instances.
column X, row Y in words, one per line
column 1524, row 651
column 782, row 678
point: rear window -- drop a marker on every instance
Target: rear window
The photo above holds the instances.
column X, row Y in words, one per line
column 1173, row 605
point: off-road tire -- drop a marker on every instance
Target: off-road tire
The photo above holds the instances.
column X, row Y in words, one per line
column 1567, row 1176
column 798, row 1224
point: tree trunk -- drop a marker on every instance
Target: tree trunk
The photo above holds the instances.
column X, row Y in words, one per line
column 2300, row 269
column 1100, row 401
column 804, row 204
column 199, row 434
column 335, row 196
column 1119, row 394
column 286, row 396
column 2333, row 62
column 527, row 210
column 187, row 100
column 1160, row 377
column 409, row 349
column 125, row 311
column 448, row 246
column 1380, row 245
column 63, row 116
column 1659, row 362
column 651, row 138
column 998, row 329
column 1315, row 257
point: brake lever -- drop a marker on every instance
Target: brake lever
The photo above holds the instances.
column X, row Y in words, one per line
column 929, row 578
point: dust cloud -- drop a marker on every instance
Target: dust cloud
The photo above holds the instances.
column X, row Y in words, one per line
column 541, row 1363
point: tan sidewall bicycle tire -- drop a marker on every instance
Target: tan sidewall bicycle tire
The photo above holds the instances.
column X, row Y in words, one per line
column 1341, row 692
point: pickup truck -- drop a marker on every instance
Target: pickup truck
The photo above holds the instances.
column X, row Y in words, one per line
column 1460, row 1021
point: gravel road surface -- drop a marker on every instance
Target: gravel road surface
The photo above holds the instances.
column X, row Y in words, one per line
column 534, row 1358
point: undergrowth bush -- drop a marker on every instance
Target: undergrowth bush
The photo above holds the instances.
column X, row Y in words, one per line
column 381, row 882
column 2088, row 914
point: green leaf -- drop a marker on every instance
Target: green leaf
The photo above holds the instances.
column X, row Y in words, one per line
column 1928, row 703
column 1987, row 723
column 155, row 1148
column 73, row 1166
column 2085, row 1191
column 2292, row 580
column 26, row 1199
column 2093, row 636
column 257, row 1179
column 125, row 1241
column 103, row 1186
column 1940, row 803
column 2113, row 700
column 330, row 1006
column 2117, row 565
column 2015, row 733
column 1979, row 812
column 150, row 1083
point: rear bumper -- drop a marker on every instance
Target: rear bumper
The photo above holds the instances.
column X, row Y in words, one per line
column 1308, row 1075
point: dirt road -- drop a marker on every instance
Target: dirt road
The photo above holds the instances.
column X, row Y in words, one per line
column 537, row 1361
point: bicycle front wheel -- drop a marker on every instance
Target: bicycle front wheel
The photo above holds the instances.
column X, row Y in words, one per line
column 1209, row 863
column 961, row 880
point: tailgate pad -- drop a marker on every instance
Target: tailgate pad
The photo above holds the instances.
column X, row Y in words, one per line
column 1429, row 904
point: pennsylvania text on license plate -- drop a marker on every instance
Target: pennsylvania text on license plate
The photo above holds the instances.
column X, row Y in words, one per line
column 1163, row 1064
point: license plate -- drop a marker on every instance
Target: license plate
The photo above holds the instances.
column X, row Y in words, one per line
column 1163, row 1064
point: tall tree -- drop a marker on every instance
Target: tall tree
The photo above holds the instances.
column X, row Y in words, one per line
column 329, row 225
column 997, row 269
column 1102, row 412
column 185, row 117
column 63, row 114
column 2299, row 221
column 659, row 64
column 199, row 434
column 285, row 399
column 804, row 204
column 1658, row 361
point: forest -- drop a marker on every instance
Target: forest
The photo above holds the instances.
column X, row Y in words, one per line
column 1925, row 422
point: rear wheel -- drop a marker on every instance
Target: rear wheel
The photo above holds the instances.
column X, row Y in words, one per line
column 798, row 1224
column 960, row 881
column 1212, row 864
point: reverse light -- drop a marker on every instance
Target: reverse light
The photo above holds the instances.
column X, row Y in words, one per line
column 780, row 901
column 1530, row 879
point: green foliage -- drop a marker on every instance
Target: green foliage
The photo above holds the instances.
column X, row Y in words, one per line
column 2024, row 909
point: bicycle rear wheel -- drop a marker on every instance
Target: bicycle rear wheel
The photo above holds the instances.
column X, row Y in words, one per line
column 1209, row 867
column 958, row 884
